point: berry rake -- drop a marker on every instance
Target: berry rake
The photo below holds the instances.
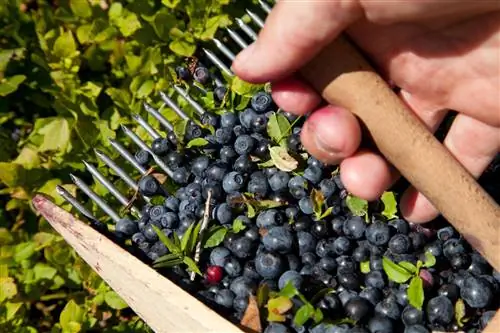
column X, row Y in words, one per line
column 348, row 82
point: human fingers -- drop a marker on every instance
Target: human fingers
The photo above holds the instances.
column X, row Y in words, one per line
column 295, row 96
column 474, row 144
column 294, row 32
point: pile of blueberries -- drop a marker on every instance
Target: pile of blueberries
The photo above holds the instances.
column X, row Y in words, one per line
column 288, row 244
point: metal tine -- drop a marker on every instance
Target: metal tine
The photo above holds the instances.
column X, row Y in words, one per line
column 237, row 38
column 144, row 124
column 255, row 18
column 144, row 146
column 223, row 48
column 246, row 29
column 110, row 187
column 173, row 106
column 158, row 116
column 217, row 62
column 265, row 6
column 73, row 202
column 94, row 197
column 119, row 171
column 198, row 108
column 128, row 156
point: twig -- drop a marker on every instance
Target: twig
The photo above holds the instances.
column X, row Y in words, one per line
column 204, row 225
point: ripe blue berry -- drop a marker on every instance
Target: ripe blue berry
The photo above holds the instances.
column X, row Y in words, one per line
column 261, row 102
column 233, row 182
column 354, row 227
column 269, row 265
column 223, row 135
column 246, row 118
column 220, row 93
column 278, row 239
column 182, row 73
column 201, row 75
column 244, row 144
column 439, row 311
column 228, row 120
column 313, row 174
column 378, row 233
column 279, row 181
column 149, row 186
column 306, row 205
column 242, row 286
column 160, row 146
column 400, row 244
column 290, row 276
column 269, row 218
column 225, row 298
column 126, row 227
column 476, row 292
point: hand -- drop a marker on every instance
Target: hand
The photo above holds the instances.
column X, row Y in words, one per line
column 443, row 55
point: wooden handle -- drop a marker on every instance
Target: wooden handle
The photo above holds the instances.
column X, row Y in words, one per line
column 164, row 306
column 344, row 78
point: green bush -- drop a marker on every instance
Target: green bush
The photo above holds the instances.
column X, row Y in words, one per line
column 71, row 72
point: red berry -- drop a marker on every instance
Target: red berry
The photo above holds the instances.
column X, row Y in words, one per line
column 213, row 274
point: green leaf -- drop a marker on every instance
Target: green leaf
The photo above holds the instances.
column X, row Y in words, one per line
column 277, row 307
column 238, row 226
column 180, row 130
column 318, row 316
column 318, row 200
column 365, row 267
column 326, row 213
column 10, row 84
column 460, row 312
column 282, row 160
column 146, row 89
column 244, row 88
column 415, row 292
column 194, row 239
column 357, row 206
column 72, row 313
column 170, row 3
column 395, row 272
column 55, row 134
column 289, row 290
column 182, row 47
column 430, row 260
column 212, row 24
column 81, row 8
column 115, row 301
column 303, row 314
column 173, row 248
column 169, row 263
column 185, row 240
column 198, row 142
column 44, row 272
column 250, row 210
column 215, row 236
column 262, row 294
column 408, row 266
column 277, row 128
column 8, row 288
column 390, row 205
column 192, row 265
column 65, row 45
column 24, row 250
column 167, row 257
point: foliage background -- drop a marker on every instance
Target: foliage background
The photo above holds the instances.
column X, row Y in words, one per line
column 72, row 71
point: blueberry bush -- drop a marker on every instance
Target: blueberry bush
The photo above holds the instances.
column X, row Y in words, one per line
column 279, row 233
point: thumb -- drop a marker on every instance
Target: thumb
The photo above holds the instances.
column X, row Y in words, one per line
column 294, row 32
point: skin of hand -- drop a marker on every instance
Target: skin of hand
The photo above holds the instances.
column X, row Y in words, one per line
column 442, row 55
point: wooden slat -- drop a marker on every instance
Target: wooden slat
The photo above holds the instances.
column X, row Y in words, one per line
column 164, row 306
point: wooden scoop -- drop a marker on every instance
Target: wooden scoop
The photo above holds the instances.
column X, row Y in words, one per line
column 344, row 78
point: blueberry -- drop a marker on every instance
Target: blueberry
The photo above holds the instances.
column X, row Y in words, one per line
column 259, row 123
column 232, row 267
column 169, row 220
column 210, row 119
column 328, row 264
column 201, row 75
column 159, row 248
column 246, row 117
column 297, row 182
column 160, row 146
column 327, row 187
column 380, row 324
column 240, row 304
column 239, row 130
column 233, row 182
column 400, row 225
column 150, row 233
column 261, row 102
column 227, row 154
column 223, row 213
column 306, row 242
column 279, row 181
column 313, row 174
column 199, row 165
column 244, row 144
column 269, row 265
column 269, row 218
column 242, row 247
column 223, row 135
column 358, row 308
column 350, row 281
column 378, row 233
column 172, row 138
column 312, row 161
column 290, row 276
column 389, row 308
column 440, row 311
column 277, row 328
column 445, row 233
column 278, row 239
column 416, row 329
column 126, row 227
column 400, row 244
column 418, row 240
column 225, row 297
column 216, row 171
column 219, row 256
column 174, row 159
column 320, row 229
column 412, row 316
column 360, row 253
column 252, row 234
column 476, row 292
column 138, row 238
column 460, row 261
column 293, row 142
column 453, row 246
column 258, row 184
column 243, row 164
column 261, row 150
column 228, row 119
column 375, row 279
column 306, row 205
column 220, row 93
column 182, row 73
column 486, row 318
column 372, row 295
column 354, row 227
column 149, row 186
column 341, row 245
column 156, row 212
column 242, row 286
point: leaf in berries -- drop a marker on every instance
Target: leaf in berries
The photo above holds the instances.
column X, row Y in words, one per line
column 215, row 236
column 390, row 205
column 416, row 292
column 395, row 272
column 282, row 160
column 277, row 128
column 198, row 142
